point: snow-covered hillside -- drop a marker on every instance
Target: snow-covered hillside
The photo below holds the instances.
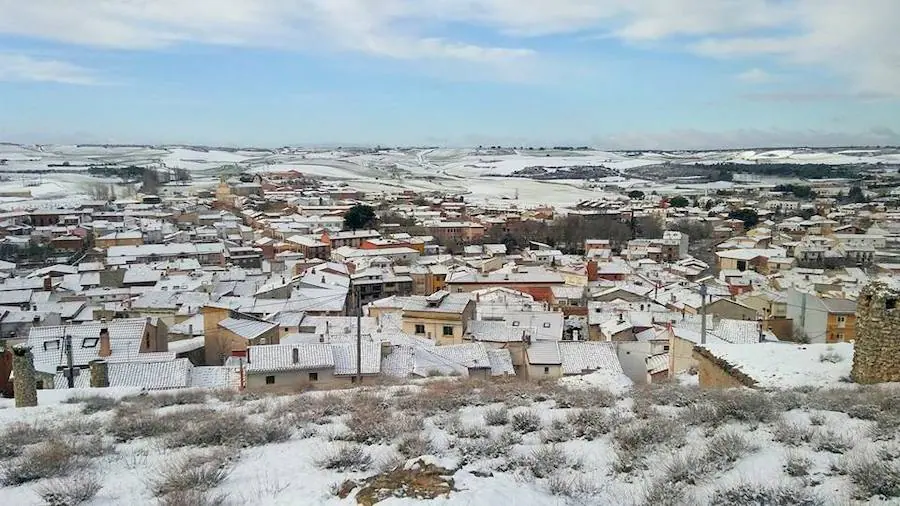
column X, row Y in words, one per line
column 456, row 442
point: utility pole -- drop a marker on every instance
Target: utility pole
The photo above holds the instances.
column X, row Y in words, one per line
column 70, row 363
column 761, row 335
column 803, row 311
column 358, row 339
column 703, row 314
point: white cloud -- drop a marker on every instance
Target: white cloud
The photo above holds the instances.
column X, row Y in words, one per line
column 857, row 41
column 17, row 67
column 755, row 75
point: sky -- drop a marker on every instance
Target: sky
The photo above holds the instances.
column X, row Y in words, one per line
column 615, row 74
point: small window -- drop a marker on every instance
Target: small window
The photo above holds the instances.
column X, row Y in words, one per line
column 546, row 370
column 420, row 329
column 841, row 319
column 313, row 376
column 51, row 345
column 448, row 330
column 666, row 348
column 515, row 323
column 890, row 303
column 270, row 380
column 90, row 342
column 546, row 325
column 285, row 329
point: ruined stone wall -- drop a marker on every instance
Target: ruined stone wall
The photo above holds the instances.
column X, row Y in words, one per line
column 24, row 382
column 876, row 356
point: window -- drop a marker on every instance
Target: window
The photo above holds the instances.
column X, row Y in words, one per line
column 666, row 348
column 313, row 376
column 89, row 342
column 285, row 329
column 546, row 370
column 515, row 323
column 270, row 380
column 51, row 345
column 448, row 330
column 840, row 336
column 841, row 319
column 546, row 325
column 420, row 329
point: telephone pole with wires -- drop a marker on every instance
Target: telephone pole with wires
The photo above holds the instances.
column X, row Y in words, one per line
column 703, row 314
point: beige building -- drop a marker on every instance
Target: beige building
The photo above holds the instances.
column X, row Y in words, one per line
column 227, row 332
column 441, row 316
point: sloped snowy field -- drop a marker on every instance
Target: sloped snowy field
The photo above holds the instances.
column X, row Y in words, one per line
column 502, row 443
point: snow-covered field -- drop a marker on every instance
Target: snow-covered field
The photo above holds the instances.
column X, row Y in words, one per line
column 469, row 171
column 588, row 440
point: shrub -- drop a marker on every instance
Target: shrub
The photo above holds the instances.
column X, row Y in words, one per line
column 565, row 397
column 791, row 434
column 669, row 394
column 887, row 426
column 129, row 423
column 93, row 403
column 742, row 405
column 830, row 356
column 688, row 468
column 796, row 465
column 591, row 424
column 489, row 448
column 346, row 458
column 726, row 449
column 525, row 422
column 667, row 493
column 832, row 442
column 372, row 423
column 312, row 408
column 558, row 432
column 193, row 498
column 641, row 434
column 575, row 487
column 165, row 399
column 546, row 460
column 226, row 429
column 779, row 495
column 199, row 472
column 415, row 446
column 817, row 419
column 47, row 460
column 872, row 477
column 496, row 416
column 70, row 491
column 18, row 435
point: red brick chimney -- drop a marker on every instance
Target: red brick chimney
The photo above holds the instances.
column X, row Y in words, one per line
column 105, row 347
column 48, row 284
column 591, row 269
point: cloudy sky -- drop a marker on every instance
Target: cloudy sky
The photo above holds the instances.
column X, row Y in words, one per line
column 612, row 73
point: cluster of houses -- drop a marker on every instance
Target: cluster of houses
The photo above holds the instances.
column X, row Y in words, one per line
column 259, row 285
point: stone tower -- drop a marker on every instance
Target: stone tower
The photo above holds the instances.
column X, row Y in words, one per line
column 876, row 357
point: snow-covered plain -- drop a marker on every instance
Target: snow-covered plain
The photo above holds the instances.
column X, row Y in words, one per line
column 473, row 172
column 593, row 441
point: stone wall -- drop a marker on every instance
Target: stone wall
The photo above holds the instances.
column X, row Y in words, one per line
column 713, row 372
column 876, row 354
column 24, row 381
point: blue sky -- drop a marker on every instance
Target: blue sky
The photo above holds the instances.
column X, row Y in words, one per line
column 616, row 74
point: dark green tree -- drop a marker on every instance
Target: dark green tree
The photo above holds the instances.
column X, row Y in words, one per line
column 359, row 217
column 679, row 201
column 748, row 216
column 636, row 194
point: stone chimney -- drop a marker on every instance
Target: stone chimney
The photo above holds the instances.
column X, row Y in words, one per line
column 591, row 269
column 105, row 346
column 48, row 284
column 24, row 383
column 99, row 373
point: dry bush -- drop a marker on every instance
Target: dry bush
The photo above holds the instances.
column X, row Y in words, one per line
column 19, row 435
column 195, row 473
column 643, row 434
column 457, row 428
column 578, row 488
column 92, row 403
column 864, row 402
column 473, row 450
column 872, row 477
column 667, row 493
column 832, row 442
column 442, row 397
column 546, row 460
column 133, row 422
column 70, row 491
column 524, row 422
column 791, row 434
column 688, row 468
column 558, row 432
column 373, row 421
column 669, row 394
column 227, row 429
column 46, row 460
column 346, row 458
column 796, row 465
column 887, row 426
column 565, row 397
column 591, row 424
column 752, row 494
column 832, row 357
column 496, row 416
column 413, row 446
column 817, row 419
column 726, row 449
column 193, row 498
column 741, row 405
column 316, row 409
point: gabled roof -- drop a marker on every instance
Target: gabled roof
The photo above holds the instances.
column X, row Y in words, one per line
column 579, row 357
column 248, row 329
column 345, row 358
column 48, row 346
column 544, row 353
column 150, row 375
column 280, row 357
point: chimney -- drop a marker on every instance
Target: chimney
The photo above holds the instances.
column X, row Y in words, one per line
column 105, row 347
column 48, row 284
column 24, row 381
column 99, row 373
column 295, row 356
column 190, row 329
column 591, row 269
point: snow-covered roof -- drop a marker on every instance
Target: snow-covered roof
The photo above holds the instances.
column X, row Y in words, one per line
column 248, row 329
column 280, row 357
column 48, row 346
column 786, row 365
column 345, row 358
column 544, row 353
column 579, row 357
column 150, row 375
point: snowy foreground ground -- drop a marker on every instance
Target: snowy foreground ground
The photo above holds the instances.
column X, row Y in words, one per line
column 456, row 442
